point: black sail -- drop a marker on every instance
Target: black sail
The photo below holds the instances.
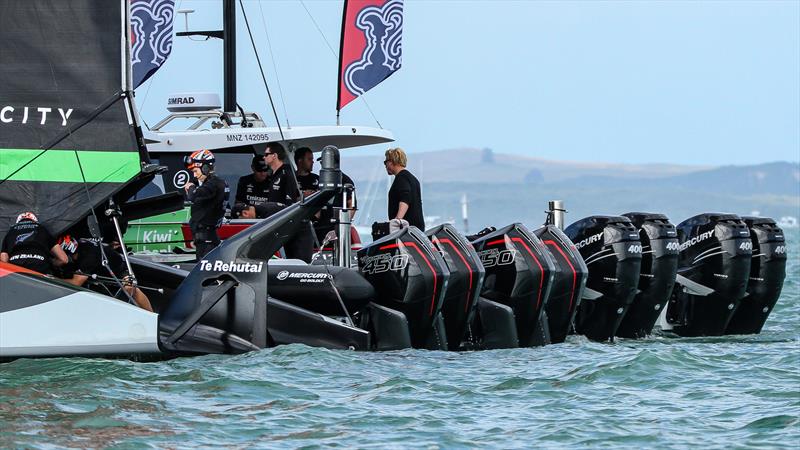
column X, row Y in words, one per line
column 68, row 136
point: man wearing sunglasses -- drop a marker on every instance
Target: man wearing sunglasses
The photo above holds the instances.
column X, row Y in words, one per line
column 283, row 187
column 253, row 189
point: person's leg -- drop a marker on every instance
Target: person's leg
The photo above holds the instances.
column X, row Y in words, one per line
column 204, row 241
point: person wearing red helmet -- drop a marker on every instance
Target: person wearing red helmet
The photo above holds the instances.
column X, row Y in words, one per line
column 28, row 244
column 208, row 201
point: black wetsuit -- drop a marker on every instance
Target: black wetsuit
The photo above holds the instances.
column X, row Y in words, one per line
column 251, row 192
column 406, row 189
column 28, row 245
column 208, row 208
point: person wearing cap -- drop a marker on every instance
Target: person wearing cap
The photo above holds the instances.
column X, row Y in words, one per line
column 405, row 195
column 28, row 244
column 253, row 189
column 208, row 201
column 308, row 181
column 86, row 258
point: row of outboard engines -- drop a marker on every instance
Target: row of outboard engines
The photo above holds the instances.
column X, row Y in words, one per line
column 603, row 276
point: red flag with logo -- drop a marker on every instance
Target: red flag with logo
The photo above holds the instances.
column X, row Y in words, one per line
column 370, row 49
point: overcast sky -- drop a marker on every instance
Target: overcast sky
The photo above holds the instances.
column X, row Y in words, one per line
column 688, row 82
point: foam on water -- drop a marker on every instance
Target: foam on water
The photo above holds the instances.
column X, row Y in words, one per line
column 661, row 391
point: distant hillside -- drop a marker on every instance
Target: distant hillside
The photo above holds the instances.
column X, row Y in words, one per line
column 512, row 188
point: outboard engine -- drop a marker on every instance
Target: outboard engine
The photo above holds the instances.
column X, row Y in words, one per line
column 767, row 272
column 569, row 281
column 612, row 251
column 713, row 270
column 519, row 274
column 659, row 267
column 463, row 286
column 409, row 276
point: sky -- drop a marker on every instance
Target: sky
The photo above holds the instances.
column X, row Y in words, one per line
column 681, row 82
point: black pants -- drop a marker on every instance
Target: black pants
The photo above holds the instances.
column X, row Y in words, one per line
column 301, row 245
column 205, row 239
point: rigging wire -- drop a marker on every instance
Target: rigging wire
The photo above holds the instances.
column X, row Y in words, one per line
column 274, row 66
column 261, row 69
column 336, row 56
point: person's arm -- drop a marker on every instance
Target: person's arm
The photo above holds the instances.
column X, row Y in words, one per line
column 402, row 209
column 59, row 257
column 77, row 279
column 4, row 257
column 204, row 192
column 241, row 192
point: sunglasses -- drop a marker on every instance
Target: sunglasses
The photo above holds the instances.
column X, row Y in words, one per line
column 268, row 153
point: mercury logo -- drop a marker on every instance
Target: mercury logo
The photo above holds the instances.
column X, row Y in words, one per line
column 589, row 240
column 697, row 239
column 283, row 274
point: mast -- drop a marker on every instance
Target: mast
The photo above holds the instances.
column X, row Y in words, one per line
column 228, row 36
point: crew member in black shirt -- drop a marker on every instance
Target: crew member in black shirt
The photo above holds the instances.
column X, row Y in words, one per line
column 86, row 260
column 28, row 244
column 283, row 187
column 308, row 181
column 208, row 201
column 405, row 195
column 253, row 189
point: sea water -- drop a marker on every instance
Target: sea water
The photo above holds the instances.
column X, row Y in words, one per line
column 722, row 392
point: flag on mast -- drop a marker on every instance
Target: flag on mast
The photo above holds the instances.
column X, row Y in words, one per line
column 371, row 47
column 151, row 36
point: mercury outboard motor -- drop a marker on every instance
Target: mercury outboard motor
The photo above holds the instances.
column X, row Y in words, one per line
column 612, row 251
column 659, row 267
column 569, row 281
column 330, row 290
column 519, row 274
column 464, row 284
column 713, row 270
column 767, row 272
column 409, row 276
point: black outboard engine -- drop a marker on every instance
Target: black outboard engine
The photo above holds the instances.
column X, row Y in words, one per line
column 329, row 290
column 713, row 270
column 519, row 274
column 659, row 267
column 612, row 251
column 464, row 284
column 569, row 281
column 409, row 276
column 767, row 272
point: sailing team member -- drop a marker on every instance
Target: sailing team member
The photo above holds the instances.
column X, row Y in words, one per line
column 329, row 216
column 28, row 244
column 208, row 201
column 308, row 181
column 283, row 188
column 405, row 195
column 253, row 189
column 86, row 260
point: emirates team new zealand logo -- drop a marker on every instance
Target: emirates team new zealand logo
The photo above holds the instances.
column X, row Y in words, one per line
column 382, row 27
column 151, row 28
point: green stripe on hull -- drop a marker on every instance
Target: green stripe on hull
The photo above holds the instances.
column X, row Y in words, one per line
column 62, row 165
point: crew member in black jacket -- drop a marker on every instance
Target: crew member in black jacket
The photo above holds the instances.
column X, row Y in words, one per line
column 208, row 201
column 253, row 189
column 405, row 195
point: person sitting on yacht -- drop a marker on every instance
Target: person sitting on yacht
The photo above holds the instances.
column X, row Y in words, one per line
column 28, row 244
column 86, row 258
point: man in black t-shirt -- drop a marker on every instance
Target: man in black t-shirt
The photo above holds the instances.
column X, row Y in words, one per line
column 28, row 244
column 308, row 181
column 253, row 189
column 283, row 187
column 329, row 216
column 405, row 195
column 86, row 260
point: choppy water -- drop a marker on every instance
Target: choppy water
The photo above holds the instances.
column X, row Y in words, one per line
column 672, row 393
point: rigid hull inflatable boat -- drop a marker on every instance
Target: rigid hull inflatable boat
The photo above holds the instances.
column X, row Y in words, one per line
column 602, row 276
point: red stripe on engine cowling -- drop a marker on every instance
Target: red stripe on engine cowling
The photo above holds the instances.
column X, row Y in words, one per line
column 460, row 255
column 541, row 269
column 412, row 244
column 574, row 273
